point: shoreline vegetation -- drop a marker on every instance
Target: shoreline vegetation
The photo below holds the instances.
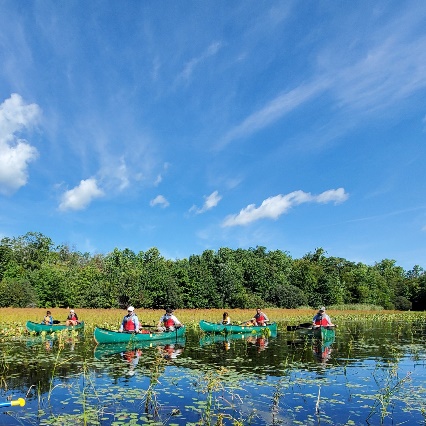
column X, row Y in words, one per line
column 34, row 272
column 15, row 318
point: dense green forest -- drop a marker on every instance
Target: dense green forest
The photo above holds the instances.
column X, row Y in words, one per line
column 35, row 272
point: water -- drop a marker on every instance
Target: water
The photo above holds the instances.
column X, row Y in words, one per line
column 372, row 373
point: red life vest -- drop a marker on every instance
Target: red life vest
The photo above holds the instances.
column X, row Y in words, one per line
column 320, row 320
column 260, row 318
column 129, row 325
column 73, row 317
column 168, row 322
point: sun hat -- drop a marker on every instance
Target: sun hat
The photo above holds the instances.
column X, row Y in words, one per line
column 322, row 309
column 130, row 308
column 72, row 310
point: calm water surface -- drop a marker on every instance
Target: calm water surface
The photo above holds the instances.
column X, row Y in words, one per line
column 372, row 373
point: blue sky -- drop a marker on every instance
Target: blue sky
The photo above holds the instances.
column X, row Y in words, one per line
column 190, row 125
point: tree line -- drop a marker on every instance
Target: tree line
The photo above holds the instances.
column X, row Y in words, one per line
column 35, row 272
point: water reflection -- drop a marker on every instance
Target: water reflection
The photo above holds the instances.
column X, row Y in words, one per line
column 170, row 348
column 256, row 372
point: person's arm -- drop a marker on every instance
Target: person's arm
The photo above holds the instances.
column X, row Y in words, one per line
column 177, row 322
column 266, row 318
column 160, row 321
column 121, row 326
column 137, row 325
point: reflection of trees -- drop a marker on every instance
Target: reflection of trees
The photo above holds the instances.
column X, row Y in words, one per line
column 33, row 364
column 28, row 363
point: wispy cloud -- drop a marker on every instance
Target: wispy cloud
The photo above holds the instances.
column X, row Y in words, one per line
column 159, row 200
column 274, row 110
column 194, row 62
column 211, row 201
column 81, row 196
column 15, row 153
column 274, row 207
column 359, row 81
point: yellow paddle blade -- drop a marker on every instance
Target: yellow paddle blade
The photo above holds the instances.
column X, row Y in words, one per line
column 19, row 401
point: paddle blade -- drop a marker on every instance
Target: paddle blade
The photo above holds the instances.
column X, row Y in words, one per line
column 19, row 402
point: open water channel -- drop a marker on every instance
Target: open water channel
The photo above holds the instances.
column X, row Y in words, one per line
column 372, row 373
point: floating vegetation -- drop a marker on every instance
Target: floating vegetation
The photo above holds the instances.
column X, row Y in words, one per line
column 372, row 373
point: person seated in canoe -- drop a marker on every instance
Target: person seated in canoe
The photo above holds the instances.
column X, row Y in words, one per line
column 130, row 323
column 226, row 319
column 168, row 322
column 250, row 322
column 321, row 319
column 48, row 319
column 260, row 318
column 72, row 319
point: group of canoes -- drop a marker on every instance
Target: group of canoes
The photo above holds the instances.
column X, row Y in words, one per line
column 169, row 327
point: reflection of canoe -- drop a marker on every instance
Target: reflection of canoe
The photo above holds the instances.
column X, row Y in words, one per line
column 211, row 327
column 38, row 328
column 210, row 339
column 102, row 350
column 324, row 333
column 102, row 335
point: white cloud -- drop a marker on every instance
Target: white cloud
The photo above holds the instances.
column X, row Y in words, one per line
column 274, row 110
column 192, row 64
column 15, row 153
column 160, row 201
column 81, row 196
column 274, row 207
column 211, row 201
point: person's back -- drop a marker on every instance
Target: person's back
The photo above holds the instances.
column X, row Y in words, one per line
column 321, row 318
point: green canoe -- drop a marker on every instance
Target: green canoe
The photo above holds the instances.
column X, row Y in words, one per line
column 102, row 335
column 324, row 333
column 39, row 328
column 212, row 327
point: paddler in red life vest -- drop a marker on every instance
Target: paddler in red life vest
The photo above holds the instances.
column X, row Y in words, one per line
column 321, row 318
column 260, row 317
column 72, row 318
column 168, row 322
column 130, row 323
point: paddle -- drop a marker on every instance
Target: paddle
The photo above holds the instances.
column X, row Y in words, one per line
column 304, row 326
column 56, row 322
column 19, row 401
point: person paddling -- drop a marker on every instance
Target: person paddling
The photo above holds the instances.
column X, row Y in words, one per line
column 260, row 317
column 168, row 322
column 322, row 319
column 130, row 323
column 72, row 318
